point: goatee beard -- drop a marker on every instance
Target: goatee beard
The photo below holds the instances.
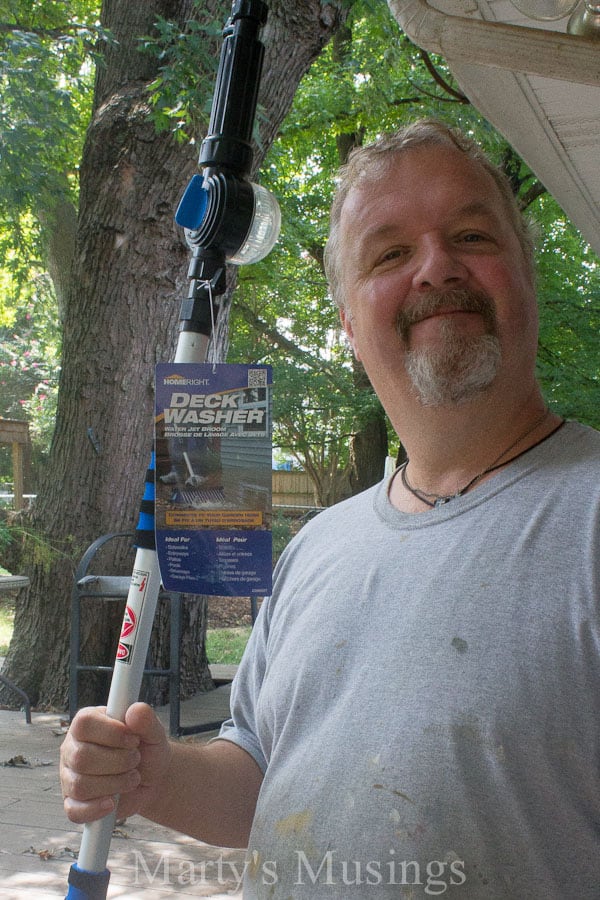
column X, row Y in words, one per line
column 458, row 367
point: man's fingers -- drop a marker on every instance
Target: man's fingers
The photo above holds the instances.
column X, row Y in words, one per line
column 80, row 813
column 86, row 788
column 92, row 725
column 91, row 759
column 89, row 797
column 103, row 757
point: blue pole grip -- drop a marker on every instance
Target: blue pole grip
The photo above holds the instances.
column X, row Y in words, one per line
column 87, row 885
column 144, row 535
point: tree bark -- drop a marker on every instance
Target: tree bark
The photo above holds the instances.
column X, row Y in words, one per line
column 368, row 451
column 127, row 277
column 369, row 445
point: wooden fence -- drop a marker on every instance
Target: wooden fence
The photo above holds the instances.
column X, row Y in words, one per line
column 292, row 489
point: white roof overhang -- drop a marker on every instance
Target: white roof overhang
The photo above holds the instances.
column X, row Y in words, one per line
column 540, row 87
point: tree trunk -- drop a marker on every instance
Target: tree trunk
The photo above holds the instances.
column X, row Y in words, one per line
column 368, row 451
column 369, row 446
column 127, row 278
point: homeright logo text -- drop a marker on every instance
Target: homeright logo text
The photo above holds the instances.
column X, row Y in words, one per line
column 180, row 380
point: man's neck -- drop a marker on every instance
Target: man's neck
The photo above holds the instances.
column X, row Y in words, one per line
column 447, row 447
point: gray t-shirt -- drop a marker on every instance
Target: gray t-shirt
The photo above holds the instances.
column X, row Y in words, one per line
column 423, row 694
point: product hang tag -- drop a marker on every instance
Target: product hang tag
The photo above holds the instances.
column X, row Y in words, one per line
column 213, row 432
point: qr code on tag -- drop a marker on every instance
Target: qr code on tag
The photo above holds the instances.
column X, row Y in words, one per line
column 257, row 377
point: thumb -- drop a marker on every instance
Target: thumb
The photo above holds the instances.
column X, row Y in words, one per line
column 143, row 721
column 155, row 755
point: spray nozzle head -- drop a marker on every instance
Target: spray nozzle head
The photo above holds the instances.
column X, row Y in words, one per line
column 221, row 210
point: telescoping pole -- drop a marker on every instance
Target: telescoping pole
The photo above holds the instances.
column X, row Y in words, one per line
column 226, row 219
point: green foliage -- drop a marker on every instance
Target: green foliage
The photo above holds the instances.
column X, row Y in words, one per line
column 181, row 93
column 7, row 617
column 32, row 548
column 47, row 50
column 29, row 366
column 281, row 531
column 45, row 101
column 225, row 646
column 569, row 292
column 5, row 538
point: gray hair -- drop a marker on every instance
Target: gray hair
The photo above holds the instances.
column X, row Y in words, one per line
column 371, row 163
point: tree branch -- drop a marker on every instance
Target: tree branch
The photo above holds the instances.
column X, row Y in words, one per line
column 53, row 33
column 439, row 79
column 280, row 340
column 536, row 190
column 511, row 166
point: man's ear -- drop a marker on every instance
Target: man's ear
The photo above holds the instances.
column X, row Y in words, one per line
column 346, row 319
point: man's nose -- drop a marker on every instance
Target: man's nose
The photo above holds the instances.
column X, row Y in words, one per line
column 437, row 266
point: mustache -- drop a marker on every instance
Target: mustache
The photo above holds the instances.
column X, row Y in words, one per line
column 461, row 299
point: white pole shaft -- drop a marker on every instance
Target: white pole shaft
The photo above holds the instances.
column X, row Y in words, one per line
column 135, row 641
column 125, row 685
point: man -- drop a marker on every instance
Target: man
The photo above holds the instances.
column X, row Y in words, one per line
column 418, row 710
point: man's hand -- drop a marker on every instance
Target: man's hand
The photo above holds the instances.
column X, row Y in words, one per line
column 208, row 791
column 102, row 757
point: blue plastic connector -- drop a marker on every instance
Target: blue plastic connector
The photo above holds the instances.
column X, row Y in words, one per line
column 192, row 206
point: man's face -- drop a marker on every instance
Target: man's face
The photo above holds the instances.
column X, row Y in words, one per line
column 439, row 295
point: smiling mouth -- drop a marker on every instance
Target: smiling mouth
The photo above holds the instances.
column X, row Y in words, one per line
column 445, row 313
column 442, row 304
column 446, row 318
column 449, row 312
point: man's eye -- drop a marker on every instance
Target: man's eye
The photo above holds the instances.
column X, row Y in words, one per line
column 393, row 253
column 473, row 237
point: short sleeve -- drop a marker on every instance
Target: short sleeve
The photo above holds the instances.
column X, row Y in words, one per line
column 241, row 728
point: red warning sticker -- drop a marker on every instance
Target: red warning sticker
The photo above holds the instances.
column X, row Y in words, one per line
column 123, row 651
column 133, row 616
column 129, row 622
column 140, row 580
